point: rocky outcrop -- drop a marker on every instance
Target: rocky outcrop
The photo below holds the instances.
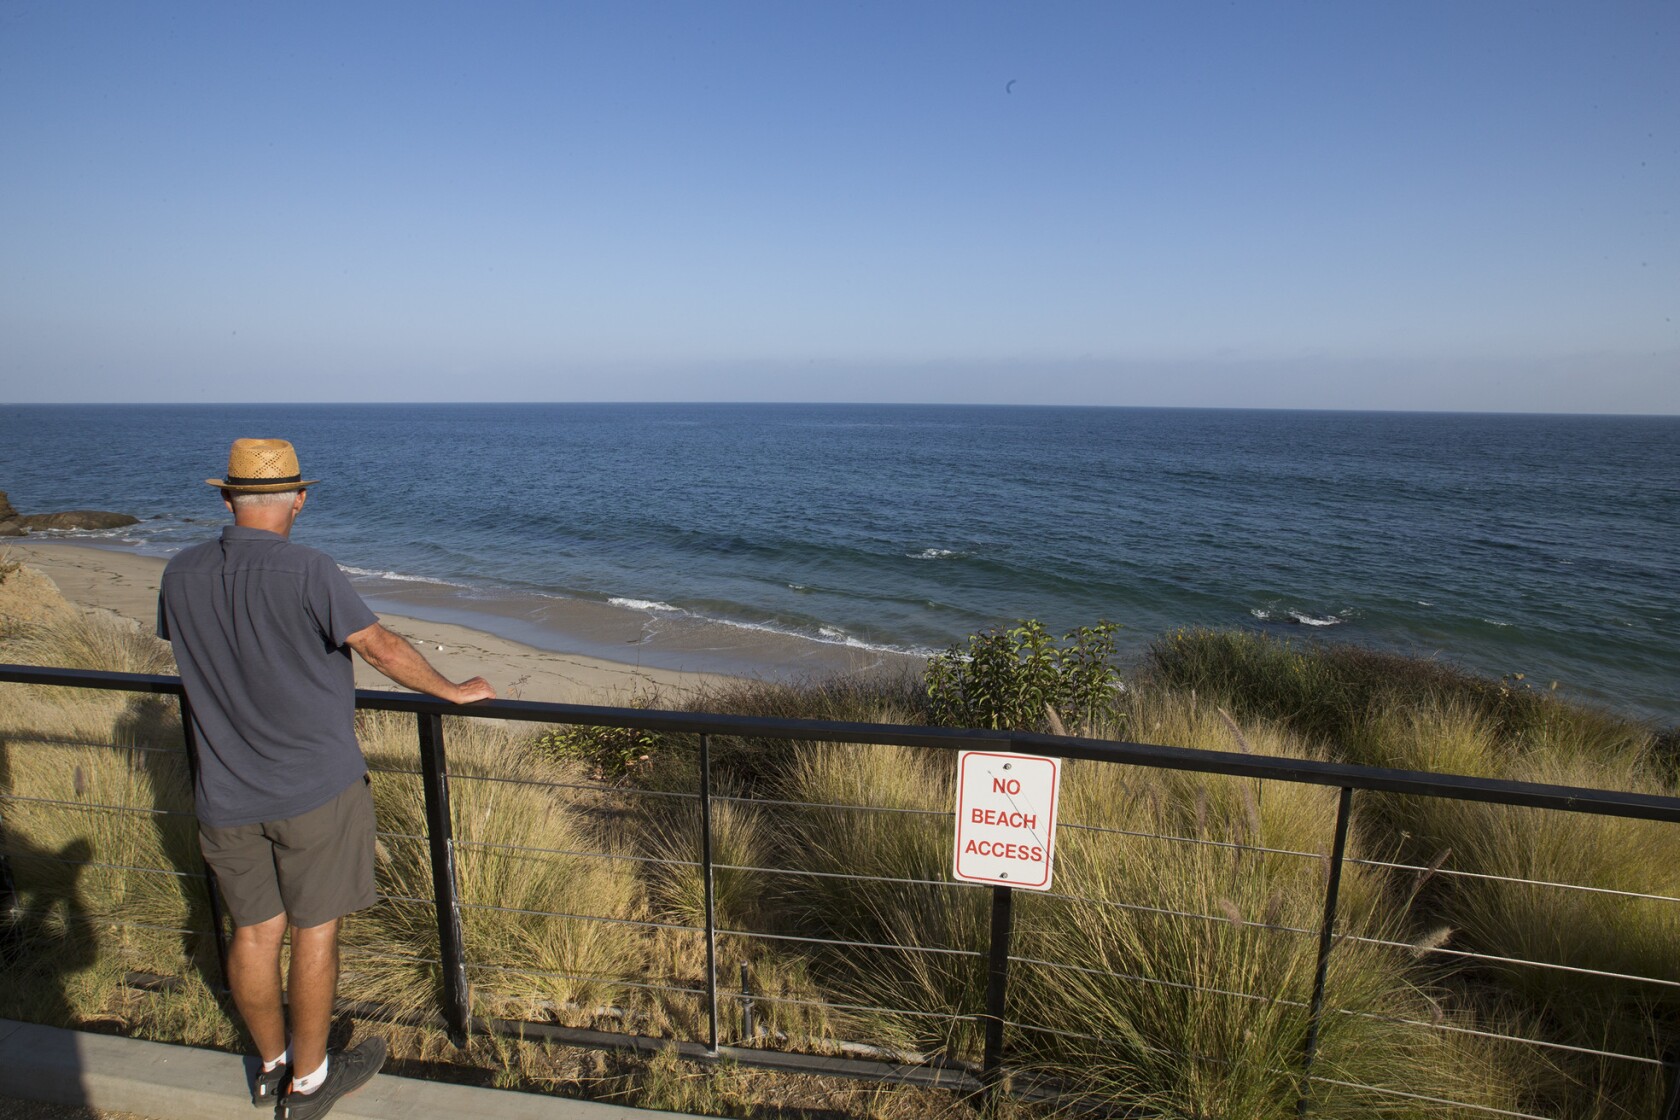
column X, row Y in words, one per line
column 15, row 524
column 78, row 519
column 11, row 525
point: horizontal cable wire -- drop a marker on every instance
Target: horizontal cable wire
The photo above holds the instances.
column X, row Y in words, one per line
column 1468, row 955
column 155, row 928
column 1447, row 871
column 581, row 917
column 25, row 857
column 942, row 813
column 607, row 980
column 796, row 872
column 757, row 998
column 82, row 744
column 930, row 949
column 1496, row 1037
column 585, row 787
column 405, row 898
column 1193, row 840
column 1177, row 984
column 1487, row 1108
column 1138, row 906
column 90, row 806
column 370, row 955
column 1160, row 1050
column 524, row 848
column 1037, row 1029
column 93, row 920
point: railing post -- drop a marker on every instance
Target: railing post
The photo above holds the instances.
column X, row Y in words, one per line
column 1326, row 935
column 710, row 890
column 434, row 770
column 749, row 1030
column 190, row 741
column 997, row 990
column 1671, row 1111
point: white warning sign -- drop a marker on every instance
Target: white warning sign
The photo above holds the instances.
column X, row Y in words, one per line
column 1006, row 818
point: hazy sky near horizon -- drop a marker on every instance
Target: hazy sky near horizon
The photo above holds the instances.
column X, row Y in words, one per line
column 1414, row 205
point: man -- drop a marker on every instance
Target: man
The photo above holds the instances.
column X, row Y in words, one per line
column 262, row 630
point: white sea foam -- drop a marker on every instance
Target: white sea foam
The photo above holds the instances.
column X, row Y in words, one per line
column 826, row 635
column 643, row 605
column 398, row 577
column 931, row 554
column 1299, row 618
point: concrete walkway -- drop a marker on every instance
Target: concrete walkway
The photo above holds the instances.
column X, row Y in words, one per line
column 181, row 1083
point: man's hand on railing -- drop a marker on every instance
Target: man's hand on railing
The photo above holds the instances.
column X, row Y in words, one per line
column 396, row 657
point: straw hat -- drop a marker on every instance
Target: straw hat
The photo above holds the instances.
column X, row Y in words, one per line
column 261, row 466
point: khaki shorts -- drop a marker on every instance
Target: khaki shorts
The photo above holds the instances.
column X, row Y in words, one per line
column 313, row 867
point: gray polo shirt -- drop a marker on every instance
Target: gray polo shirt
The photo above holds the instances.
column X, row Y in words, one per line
column 258, row 625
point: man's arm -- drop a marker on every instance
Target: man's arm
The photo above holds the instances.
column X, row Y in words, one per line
column 393, row 656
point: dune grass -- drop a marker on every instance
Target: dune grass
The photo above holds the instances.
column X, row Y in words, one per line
column 1382, row 710
column 1170, row 967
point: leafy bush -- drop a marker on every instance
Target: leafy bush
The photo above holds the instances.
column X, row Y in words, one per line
column 1017, row 678
column 610, row 753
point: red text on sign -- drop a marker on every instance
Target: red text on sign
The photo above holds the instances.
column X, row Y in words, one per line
column 1032, row 853
column 1003, row 818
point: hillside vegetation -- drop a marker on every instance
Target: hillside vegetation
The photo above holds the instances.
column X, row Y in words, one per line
column 1169, row 969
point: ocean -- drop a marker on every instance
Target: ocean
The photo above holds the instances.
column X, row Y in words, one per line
column 723, row 536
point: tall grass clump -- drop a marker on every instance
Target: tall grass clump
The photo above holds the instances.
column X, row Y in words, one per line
column 1506, row 892
column 874, row 827
column 533, row 870
column 1498, row 879
column 1180, row 944
column 88, row 640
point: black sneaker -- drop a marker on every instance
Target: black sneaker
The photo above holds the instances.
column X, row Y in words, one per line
column 347, row 1071
column 266, row 1088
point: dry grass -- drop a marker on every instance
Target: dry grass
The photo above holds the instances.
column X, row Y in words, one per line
column 1180, row 957
column 530, row 879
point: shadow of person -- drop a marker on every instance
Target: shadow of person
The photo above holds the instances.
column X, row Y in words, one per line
column 45, row 934
column 150, row 726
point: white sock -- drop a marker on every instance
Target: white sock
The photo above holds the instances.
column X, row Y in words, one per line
column 284, row 1059
column 311, row 1082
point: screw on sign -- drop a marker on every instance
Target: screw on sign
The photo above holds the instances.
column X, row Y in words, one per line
column 1006, row 818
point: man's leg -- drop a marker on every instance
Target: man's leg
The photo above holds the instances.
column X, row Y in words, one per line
column 311, row 987
column 254, row 978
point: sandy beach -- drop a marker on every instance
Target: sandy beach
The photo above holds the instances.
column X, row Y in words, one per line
column 126, row 584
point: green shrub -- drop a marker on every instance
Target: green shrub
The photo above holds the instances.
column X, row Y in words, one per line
column 1021, row 679
column 609, row 753
column 1336, row 692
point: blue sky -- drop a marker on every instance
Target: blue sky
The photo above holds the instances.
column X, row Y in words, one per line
column 1462, row 205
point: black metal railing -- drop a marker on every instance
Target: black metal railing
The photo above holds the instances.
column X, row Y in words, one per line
column 1347, row 779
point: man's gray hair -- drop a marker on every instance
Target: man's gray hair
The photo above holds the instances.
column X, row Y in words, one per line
column 250, row 501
